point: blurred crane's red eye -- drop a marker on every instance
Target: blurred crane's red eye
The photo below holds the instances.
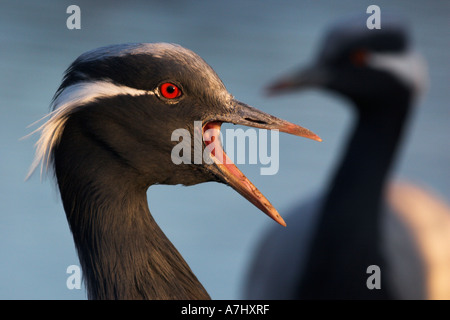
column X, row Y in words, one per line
column 359, row 57
column 169, row 90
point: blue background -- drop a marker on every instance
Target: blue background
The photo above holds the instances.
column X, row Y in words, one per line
column 248, row 43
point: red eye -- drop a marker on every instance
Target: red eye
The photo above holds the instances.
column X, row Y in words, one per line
column 169, row 90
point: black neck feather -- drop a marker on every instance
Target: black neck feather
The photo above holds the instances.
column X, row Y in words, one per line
column 123, row 252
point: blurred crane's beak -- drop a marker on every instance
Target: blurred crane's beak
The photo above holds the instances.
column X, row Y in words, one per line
column 313, row 76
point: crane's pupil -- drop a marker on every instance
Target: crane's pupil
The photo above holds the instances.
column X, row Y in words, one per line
column 170, row 89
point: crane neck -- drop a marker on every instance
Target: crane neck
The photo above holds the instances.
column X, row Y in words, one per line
column 123, row 252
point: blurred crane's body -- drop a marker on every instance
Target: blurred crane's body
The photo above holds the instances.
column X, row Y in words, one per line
column 338, row 236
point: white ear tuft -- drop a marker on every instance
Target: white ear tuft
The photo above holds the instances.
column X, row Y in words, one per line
column 68, row 101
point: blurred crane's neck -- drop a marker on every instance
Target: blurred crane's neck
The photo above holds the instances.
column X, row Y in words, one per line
column 348, row 234
column 370, row 152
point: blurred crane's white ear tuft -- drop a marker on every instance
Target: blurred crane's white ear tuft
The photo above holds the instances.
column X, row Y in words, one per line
column 410, row 67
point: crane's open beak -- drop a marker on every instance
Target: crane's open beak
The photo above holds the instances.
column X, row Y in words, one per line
column 243, row 114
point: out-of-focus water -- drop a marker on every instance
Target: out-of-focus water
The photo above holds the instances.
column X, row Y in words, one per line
column 248, row 43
